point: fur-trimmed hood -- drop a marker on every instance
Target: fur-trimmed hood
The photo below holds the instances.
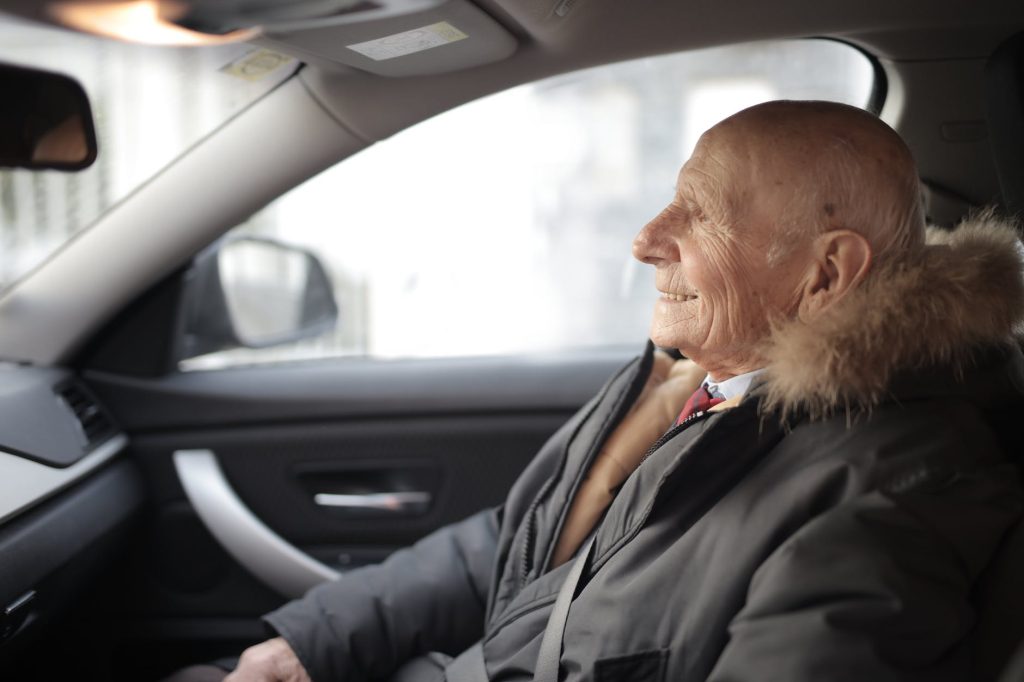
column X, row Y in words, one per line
column 964, row 290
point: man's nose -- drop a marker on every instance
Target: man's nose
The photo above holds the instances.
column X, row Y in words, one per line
column 654, row 244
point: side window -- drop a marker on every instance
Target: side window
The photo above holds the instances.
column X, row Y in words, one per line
column 504, row 226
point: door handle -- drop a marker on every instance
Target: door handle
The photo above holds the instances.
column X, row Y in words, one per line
column 402, row 502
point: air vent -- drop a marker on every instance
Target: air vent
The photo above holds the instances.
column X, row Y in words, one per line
column 95, row 424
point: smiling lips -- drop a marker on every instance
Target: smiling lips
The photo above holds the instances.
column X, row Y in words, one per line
column 678, row 297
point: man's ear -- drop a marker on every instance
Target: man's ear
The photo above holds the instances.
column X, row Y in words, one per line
column 840, row 259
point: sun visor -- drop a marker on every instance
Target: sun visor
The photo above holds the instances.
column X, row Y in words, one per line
column 450, row 36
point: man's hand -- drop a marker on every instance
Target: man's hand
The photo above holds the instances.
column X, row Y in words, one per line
column 271, row 661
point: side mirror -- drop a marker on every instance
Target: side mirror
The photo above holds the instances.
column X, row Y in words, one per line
column 253, row 292
column 45, row 121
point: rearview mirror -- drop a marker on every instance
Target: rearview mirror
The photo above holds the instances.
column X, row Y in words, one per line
column 253, row 292
column 45, row 121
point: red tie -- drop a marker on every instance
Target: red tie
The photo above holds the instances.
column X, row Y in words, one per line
column 700, row 401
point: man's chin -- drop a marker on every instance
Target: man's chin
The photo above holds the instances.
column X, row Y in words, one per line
column 681, row 331
column 672, row 341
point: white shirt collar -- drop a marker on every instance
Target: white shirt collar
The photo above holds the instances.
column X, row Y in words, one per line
column 730, row 388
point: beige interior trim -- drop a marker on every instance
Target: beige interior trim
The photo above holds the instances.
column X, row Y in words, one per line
column 453, row 36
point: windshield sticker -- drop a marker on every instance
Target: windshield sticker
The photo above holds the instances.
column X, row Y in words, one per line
column 257, row 65
column 409, row 42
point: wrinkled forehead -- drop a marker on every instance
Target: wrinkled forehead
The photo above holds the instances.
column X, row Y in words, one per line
column 722, row 168
column 783, row 161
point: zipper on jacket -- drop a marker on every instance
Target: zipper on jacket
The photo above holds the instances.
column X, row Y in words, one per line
column 528, row 539
column 598, row 561
column 628, row 397
column 531, row 512
column 667, row 436
column 672, row 432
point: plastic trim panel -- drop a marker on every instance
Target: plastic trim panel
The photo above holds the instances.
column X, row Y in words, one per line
column 24, row 483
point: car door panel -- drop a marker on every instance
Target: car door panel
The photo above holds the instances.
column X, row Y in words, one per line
column 354, row 388
column 449, row 436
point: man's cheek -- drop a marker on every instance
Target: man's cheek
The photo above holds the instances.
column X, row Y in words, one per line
column 747, row 316
column 677, row 326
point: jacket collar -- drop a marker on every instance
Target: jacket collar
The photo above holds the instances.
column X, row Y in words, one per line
column 942, row 304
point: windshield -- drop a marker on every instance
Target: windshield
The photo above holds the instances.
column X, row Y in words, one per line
column 149, row 103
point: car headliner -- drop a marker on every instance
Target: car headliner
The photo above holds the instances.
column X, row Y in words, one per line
column 933, row 55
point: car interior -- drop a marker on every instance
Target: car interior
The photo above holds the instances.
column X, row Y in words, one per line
column 150, row 513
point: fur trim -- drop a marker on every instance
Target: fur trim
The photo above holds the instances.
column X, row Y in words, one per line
column 962, row 291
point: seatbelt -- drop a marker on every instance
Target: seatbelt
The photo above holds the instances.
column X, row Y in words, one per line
column 550, row 654
column 469, row 665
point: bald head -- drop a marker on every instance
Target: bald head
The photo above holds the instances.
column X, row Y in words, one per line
column 823, row 165
column 779, row 214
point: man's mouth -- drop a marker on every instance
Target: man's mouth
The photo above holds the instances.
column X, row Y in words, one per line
column 678, row 297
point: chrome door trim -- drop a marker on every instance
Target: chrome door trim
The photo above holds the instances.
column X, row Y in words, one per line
column 409, row 501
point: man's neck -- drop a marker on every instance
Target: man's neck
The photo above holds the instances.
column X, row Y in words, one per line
column 723, row 368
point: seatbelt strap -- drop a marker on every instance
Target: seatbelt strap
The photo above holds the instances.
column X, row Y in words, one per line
column 467, row 666
column 550, row 655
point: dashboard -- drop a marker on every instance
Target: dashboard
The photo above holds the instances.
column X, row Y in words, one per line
column 67, row 499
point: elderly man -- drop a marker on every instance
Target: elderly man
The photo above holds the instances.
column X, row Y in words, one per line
column 811, row 495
